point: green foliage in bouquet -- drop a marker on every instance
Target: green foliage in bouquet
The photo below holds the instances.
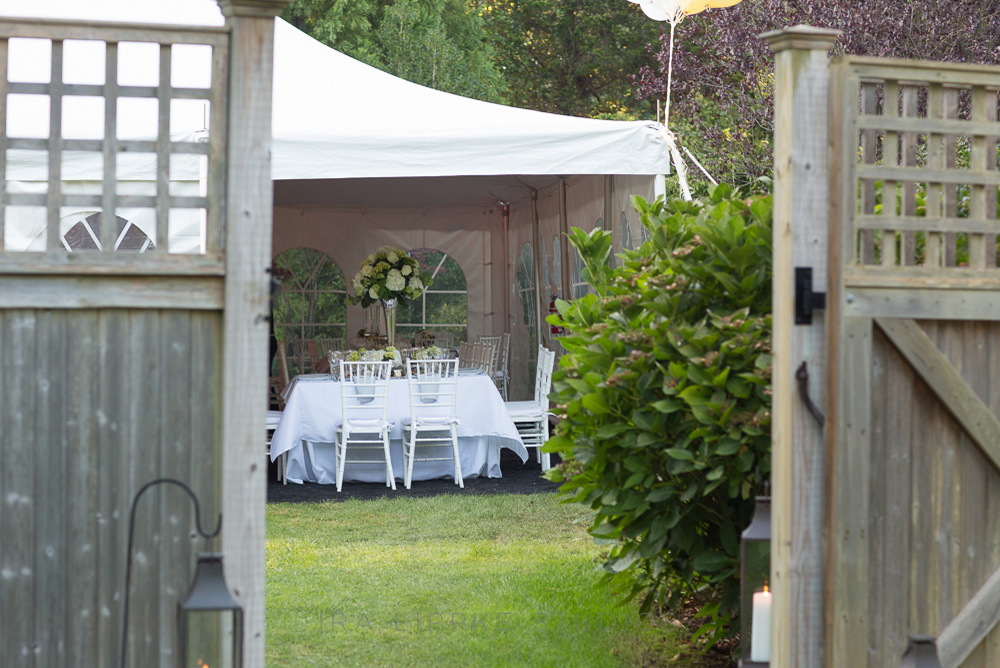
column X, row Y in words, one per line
column 664, row 395
column 388, row 273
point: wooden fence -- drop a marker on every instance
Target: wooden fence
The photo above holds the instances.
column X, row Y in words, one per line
column 903, row 479
column 119, row 367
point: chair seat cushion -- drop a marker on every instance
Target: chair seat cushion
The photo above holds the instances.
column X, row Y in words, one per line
column 356, row 424
column 432, row 420
column 525, row 409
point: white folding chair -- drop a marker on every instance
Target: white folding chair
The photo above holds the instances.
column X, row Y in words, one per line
column 364, row 424
column 532, row 417
column 271, row 422
column 500, row 373
column 495, row 342
column 476, row 356
column 501, row 347
column 432, row 423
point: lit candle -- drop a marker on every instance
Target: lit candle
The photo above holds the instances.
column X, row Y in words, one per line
column 760, row 636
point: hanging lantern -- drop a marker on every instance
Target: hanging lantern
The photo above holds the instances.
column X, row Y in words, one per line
column 755, row 598
column 921, row 653
column 209, row 619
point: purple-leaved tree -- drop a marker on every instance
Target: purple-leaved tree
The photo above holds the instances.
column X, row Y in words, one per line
column 723, row 77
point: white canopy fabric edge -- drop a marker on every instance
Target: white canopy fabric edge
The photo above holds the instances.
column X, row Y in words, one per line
column 340, row 118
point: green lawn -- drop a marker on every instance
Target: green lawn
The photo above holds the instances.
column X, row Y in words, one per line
column 445, row 581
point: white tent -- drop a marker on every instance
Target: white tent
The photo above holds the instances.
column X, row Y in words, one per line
column 362, row 159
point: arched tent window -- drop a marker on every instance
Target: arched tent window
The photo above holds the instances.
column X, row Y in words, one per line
column 626, row 233
column 312, row 300
column 85, row 234
column 444, row 306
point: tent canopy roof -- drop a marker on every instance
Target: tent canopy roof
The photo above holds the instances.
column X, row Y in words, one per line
column 339, row 118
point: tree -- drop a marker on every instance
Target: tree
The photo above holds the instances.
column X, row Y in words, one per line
column 437, row 43
column 417, row 47
column 346, row 25
column 723, row 72
column 570, row 56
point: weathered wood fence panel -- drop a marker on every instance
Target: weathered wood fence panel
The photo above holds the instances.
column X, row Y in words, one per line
column 103, row 405
column 115, row 366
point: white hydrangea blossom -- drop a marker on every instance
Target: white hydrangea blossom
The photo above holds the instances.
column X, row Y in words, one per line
column 406, row 270
column 416, row 284
column 373, row 293
column 395, row 281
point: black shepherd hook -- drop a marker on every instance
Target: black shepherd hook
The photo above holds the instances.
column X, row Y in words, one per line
column 802, row 375
column 131, row 532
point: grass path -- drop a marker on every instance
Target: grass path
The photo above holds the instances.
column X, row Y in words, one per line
column 444, row 581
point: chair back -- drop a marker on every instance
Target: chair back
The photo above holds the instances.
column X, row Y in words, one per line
column 476, row 356
column 444, row 339
column 433, row 390
column 283, row 376
column 504, row 354
column 494, row 341
column 275, row 388
column 300, row 356
column 543, row 375
column 326, row 344
column 364, row 391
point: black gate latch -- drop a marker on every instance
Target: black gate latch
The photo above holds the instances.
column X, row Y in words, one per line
column 806, row 301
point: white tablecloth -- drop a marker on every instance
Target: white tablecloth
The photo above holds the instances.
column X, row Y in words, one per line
column 308, row 425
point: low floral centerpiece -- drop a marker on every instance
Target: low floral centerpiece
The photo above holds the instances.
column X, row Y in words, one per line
column 387, row 354
column 391, row 277
column 429, row 353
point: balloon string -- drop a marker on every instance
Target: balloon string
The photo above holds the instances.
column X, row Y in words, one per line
column 670, row 70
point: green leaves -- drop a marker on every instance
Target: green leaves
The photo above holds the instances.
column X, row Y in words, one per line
column 664, row 386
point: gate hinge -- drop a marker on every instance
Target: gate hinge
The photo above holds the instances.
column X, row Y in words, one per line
column 806, row 301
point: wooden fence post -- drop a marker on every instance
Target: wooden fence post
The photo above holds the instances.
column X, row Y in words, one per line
column 249, row 207
column 801, row 195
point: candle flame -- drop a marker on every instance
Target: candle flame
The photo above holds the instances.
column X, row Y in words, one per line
column 765, row 589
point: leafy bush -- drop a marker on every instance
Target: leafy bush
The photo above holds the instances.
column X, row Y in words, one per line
column 665, row 401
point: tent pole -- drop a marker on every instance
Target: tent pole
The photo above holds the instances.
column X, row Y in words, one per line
column 506, row 267
column 536, row 235
column 567, row 290
column 609, row 194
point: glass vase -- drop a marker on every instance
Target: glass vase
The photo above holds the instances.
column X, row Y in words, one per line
column 389, row 305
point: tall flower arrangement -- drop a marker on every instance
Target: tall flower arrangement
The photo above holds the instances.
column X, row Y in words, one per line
column 389, row 276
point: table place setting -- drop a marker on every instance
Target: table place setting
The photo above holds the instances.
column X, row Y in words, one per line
column 307, row 430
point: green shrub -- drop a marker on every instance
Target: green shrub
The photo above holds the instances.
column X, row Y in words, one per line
column 664, row 395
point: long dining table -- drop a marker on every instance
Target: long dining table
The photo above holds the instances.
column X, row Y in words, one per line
column 308, row 425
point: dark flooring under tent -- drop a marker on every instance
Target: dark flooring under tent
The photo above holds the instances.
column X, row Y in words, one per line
column 517, row 478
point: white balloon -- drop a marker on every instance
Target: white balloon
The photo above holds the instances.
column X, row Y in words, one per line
column 660, row 10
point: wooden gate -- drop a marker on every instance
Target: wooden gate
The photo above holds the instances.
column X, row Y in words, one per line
column 886, row 520
column 914, row 377
column 119, row 366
